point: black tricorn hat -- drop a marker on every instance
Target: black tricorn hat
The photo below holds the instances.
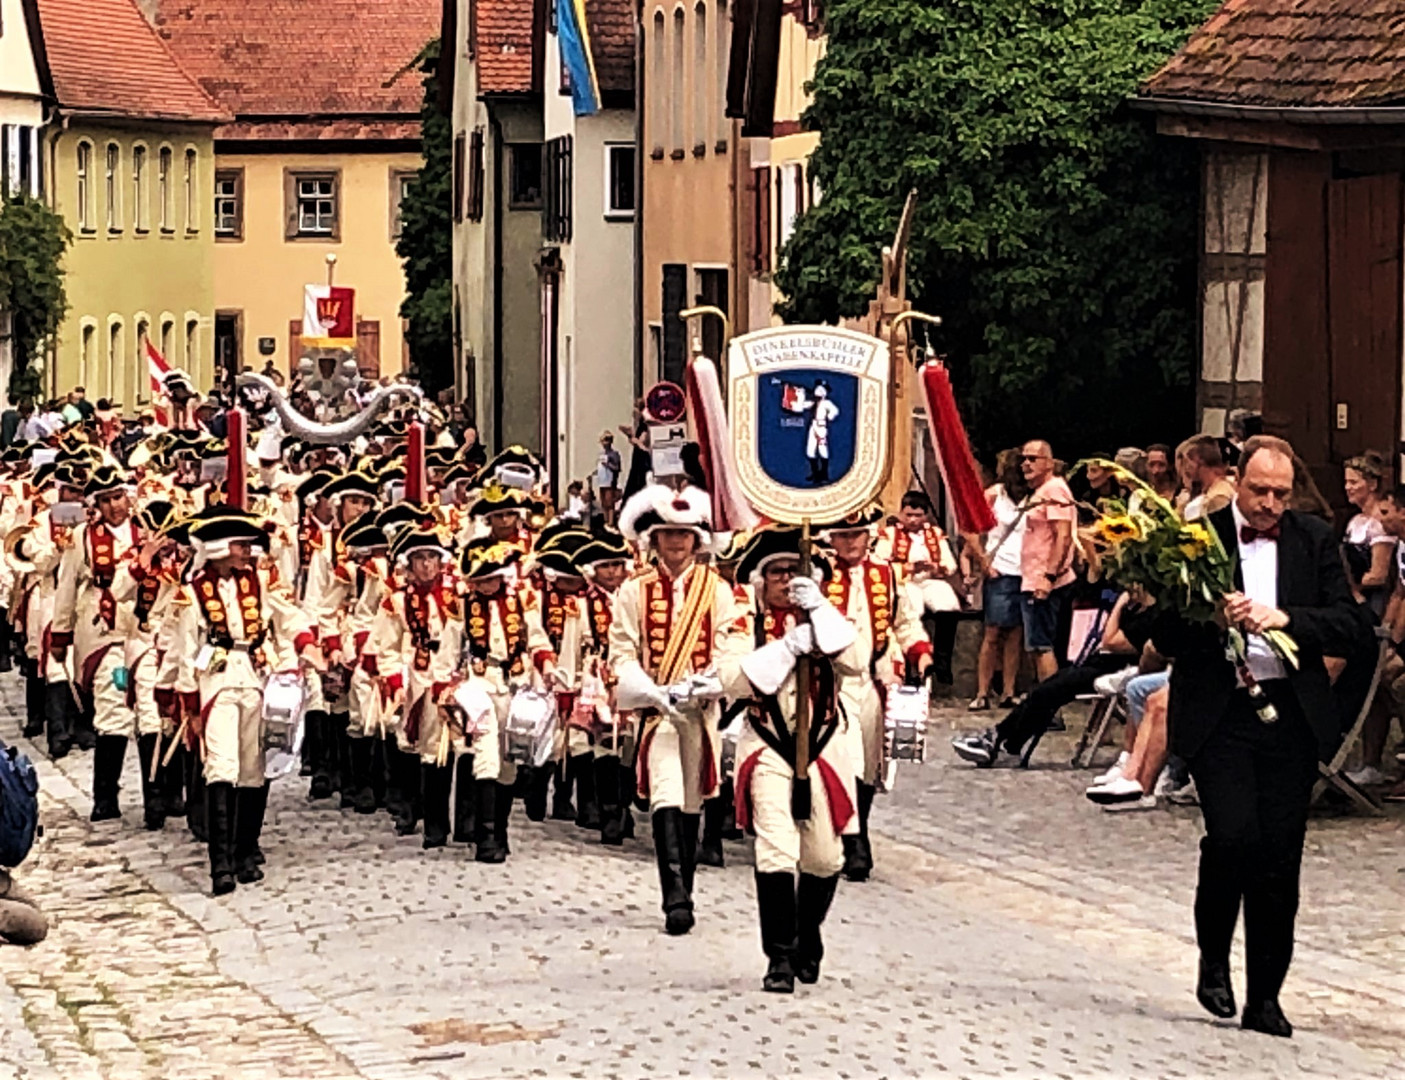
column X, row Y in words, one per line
column 352, row 483
column 103, row 479
column 420, row 538
column 484, row 560
column 609, row 547
column 156, row 515
column 315, row 483
column 771, row 544
column 860, row 519
column 364, row 532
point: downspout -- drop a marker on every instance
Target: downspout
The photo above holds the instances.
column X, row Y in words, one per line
column 496, row 125
column 639, row 99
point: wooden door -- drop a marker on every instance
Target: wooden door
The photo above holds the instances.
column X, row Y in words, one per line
column 294, row 346
column 368, row 347
column 1363, row 313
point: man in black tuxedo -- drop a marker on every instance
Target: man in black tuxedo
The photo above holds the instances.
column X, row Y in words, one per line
column 1255, row 777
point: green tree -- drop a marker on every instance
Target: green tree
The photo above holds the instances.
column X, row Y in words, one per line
column 426, row 240
column 32, row 242
column 1055, row 234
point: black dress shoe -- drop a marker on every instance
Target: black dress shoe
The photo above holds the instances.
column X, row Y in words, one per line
column 780, row 978
column 249, row 873
column 1214, row 990
column 222, row 884
column 1267, row 1018
column 678, row 921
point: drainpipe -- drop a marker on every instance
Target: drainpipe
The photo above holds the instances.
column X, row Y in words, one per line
column 639, row 99
column 496, row 126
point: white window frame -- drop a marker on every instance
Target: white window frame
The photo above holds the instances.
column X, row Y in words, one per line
column 613, row 213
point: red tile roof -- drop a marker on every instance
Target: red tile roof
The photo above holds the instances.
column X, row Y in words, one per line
column 1292, row 53
column 105, row 58
column 506, row 47
column 611, row 24
column 337, row 129
column 303, row 58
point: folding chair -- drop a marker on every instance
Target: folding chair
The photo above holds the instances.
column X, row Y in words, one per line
column 1107, row 709
column 1334, row 771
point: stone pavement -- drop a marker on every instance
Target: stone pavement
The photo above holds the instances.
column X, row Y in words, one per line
column 1011, row 930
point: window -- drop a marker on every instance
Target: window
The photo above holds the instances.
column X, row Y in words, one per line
column 676, row 97
column 760, row 240
column 110, row 187
column 721, row 59
column 790, row 198
column 192, row 344
column 524, row 164
column 168, row 333
column 163, row 189
column 811, row 13
column 457, row 182
column 229, row 204
column 192, row 220
column 314, row 205
column 556, row 203
column 85, row 359
column 656, row 88
column 619, row 180
column 400, row 181
column 700, row 69
column 471, row 30
column 139, row 214
column 138, row 371
column 85, row 187
column 101, row 385
column 474, row 210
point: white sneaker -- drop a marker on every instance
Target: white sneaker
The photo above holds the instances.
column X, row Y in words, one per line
column 1164, row 784
column 1146, row 802
column 1114, row 773
column 1366, row 776
column 1185, row 795
column 1118, row 791
column 1112, row 685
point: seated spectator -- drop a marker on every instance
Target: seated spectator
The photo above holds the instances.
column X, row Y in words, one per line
column 21, row 921
column 1115, row 642
column 1133, row 783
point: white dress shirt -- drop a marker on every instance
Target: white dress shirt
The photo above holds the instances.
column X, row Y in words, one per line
column 1258, row 562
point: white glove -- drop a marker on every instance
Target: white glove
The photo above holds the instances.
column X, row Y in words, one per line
column 806, row 594
column 769, row 666
column 800, row 639
column 833, row 631
column 706, row 686
column 636, row 690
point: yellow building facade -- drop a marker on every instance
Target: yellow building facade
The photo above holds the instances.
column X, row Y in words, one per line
column 137, row 200
column 279, row 214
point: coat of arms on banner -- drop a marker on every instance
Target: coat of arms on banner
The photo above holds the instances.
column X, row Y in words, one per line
column 810, row 412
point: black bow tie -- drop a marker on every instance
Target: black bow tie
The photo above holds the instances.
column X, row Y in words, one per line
column 1248, row 534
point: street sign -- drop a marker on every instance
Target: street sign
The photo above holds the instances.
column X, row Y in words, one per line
column 666, row 449
column 810, row 412
column 664, row 403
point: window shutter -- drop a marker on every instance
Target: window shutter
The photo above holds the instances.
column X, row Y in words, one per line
column 458, row 177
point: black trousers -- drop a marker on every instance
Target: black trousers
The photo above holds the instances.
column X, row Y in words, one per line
column 1030, row 718
column 1254, row 781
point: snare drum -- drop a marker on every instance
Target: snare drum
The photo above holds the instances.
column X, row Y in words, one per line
column 530, row 729
column 284, row 710
column 905, row 723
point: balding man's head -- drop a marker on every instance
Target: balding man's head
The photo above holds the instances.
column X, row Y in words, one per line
column 1265, row 480
column 1037, row 461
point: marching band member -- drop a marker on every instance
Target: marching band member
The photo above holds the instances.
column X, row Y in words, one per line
column 671, row 628
column 605, row 563
column 890, row 637
column 89, row 618
column 319, row 749
column 919, row 549
column 499, row 512
column 792, row 618
column 232, row 621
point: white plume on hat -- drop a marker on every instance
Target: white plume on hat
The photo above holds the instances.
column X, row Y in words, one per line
column 657, row 506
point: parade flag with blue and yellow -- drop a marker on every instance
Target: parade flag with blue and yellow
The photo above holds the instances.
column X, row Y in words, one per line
column 576, row 57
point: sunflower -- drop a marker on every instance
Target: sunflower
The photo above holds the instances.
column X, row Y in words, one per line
column 1119, row 529
column 1194, row 541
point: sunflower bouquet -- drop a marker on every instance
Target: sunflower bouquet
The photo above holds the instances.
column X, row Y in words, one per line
column 1145, row 546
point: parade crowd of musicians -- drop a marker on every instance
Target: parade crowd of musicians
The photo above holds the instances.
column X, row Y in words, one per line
column 459, row 646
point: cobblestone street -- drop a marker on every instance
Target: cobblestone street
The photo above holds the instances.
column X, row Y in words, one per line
column 1011, row 929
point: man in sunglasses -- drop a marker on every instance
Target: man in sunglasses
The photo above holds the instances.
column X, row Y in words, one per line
column 1046, row 555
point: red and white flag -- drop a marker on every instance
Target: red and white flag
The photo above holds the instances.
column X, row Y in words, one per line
column 157, row 369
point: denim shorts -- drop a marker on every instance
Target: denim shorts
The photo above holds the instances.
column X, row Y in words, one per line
column 1002, row 601
column 1138, row 689
column 1041, row 619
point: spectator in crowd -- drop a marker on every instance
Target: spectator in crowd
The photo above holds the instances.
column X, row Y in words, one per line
column 1206, row 475
column 999, row 566
column 1114, row 642
column 1140, row 775
column 71, row 413
column 1133, row 459
column 1369, row 549
column 1240, row 426
column 79, row 399
column 607, row 476
column 21, row 921
column 43, row 423
column 1159, row 472
column 474, row 452
column 1307, row 497
column 640, row 461
column 1391, row 510
column 10, row 421
column 1046, row 554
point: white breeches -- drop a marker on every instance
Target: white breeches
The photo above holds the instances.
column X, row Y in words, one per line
column 234, row 738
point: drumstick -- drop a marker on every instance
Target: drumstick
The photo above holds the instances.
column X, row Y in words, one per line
column 176, row 740
column 155, row 759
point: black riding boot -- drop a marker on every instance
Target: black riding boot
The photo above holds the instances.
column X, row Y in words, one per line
column 107, row 776
column 378, row 770
column 943, row 624
column 196, row 803
column 219, row 816
column 564, row 776
column 249, row 806
column 435, row 780
column 260, row 797
column 59, row 712
column 6, row 638
column 587, row 806
column 503, row 796
column 319, row 755
column 413, row 807
column 691, row 822
column 710, row 853
column 675, row 875
column 728, row 795
column 775, row 898
column 811, row 906
column 34, row 708
column 534, row 782
column 152, row 796
column 172, row 777
column 395, row 795
column 627, row 786
column 85, row 736
column 463, row 799
column 488, row 848
column 858, row 856
column 342, row 769
column 607, row 797
column 362, row 793
column 311, row 746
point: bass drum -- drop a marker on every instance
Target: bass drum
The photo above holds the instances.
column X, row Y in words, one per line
column 530, row 731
